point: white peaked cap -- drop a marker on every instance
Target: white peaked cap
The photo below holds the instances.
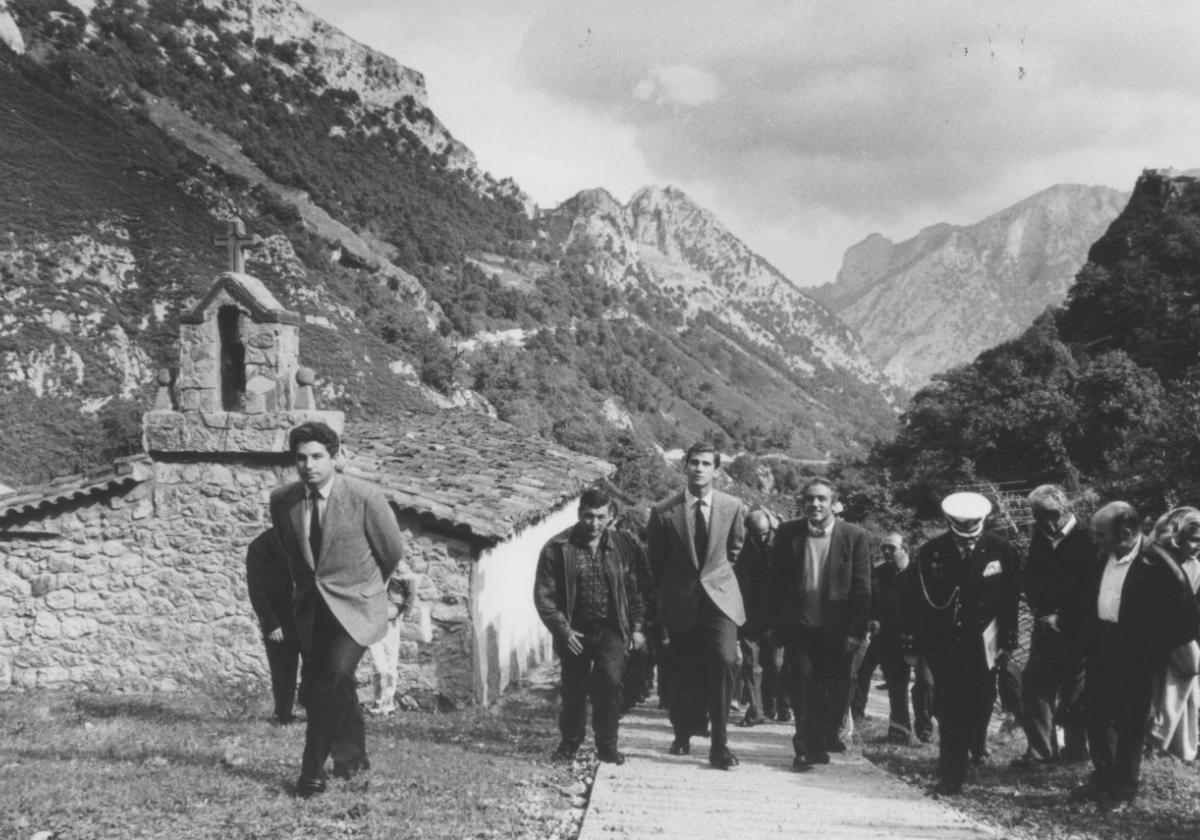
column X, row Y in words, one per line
column 966, row 506
column 966, row 509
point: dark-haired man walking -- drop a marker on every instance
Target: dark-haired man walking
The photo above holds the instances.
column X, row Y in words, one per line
column 586, row 593
column 819, row 595
column 694, row 538
column 342, row 542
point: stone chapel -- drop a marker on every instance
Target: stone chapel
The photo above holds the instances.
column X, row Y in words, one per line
column 132, row 577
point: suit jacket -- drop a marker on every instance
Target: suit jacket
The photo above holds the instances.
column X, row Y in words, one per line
column 847, row 605
column 967, row 595
column 680, row 576
column 1158, row 609
column 361, row 545
column 752, row 570
column 269, row 584
column 1057, row 579
column 555, row 581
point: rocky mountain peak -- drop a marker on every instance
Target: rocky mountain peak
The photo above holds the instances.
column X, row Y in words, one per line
column 936, row 300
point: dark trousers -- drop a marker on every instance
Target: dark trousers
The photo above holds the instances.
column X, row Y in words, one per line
column 820, row 669
column 703, row 661
column 1052, row 694
column 887, row 651
column 639, row 676
column 594, row 673
column 964, row 692
column 335, row 723
column 1008, row 687
column 762, row 676
column 283, row 658
column 1118, row 690
column 863, row 676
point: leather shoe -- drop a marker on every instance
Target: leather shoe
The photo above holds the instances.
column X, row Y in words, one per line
column 821, row 757
column 784, row 717
column 565, row 751
column 749, row 721
column 945, row 788
column 306, row 787
column 802, row 762
column 722, row 758
column 611, row 756
column 681, row 746
column 1029, row 761
column 835, row 745
column 350, row 769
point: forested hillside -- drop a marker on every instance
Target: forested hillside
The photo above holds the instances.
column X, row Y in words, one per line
column 1101, row 392
column 131, row 130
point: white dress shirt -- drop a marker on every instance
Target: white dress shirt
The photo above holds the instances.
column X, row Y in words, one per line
column 1058, row 537
column 1109, row 603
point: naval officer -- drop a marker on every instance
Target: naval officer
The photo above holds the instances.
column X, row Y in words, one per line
column 963, row 610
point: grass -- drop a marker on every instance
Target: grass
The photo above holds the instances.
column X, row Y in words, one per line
column 194, row 766
column 1037, row 803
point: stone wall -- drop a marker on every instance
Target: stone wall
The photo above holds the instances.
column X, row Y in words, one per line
column 144, row 589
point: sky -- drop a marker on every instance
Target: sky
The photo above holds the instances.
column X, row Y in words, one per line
column 805, row 126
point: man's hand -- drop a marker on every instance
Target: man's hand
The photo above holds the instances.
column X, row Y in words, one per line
column 872, row 628
column 1002, row 658
column 853, row 643
column 664, row 639
column 275, row 635
column 637, row 640
column 574, row 642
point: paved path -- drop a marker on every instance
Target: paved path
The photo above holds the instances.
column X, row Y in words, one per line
column 657, row 795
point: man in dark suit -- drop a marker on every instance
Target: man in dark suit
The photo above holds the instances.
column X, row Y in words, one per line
column 1061, row 556
column 963, row 619
column 1139, row 608
column 693, row 540
column 889, row 588
column 819, row 596
column 762, row 660
column 269, row 584
column 586, row 593
column 342, row 542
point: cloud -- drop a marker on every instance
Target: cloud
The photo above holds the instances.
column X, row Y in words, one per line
column 806, row 125
column 800, row 112
column 677, row 84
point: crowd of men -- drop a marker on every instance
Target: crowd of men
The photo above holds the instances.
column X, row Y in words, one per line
column 795, row 617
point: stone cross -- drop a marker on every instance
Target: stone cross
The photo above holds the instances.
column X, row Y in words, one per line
column 236, row 241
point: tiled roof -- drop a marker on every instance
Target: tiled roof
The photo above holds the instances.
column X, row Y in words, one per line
column 25, row 501
column 467, row 473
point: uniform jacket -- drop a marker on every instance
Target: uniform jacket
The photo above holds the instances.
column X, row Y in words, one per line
column 967, row 594
column 554, row 584
column 1158, row 609
column 680, row 576
column 847, row 607
column 269, row 584
column 1058, row 580
column 361, row 545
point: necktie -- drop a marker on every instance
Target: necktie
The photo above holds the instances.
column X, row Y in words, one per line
column 314, row 524
column 700, row 534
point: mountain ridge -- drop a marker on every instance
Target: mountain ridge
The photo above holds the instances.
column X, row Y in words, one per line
column 907, row 301
column 455, row 295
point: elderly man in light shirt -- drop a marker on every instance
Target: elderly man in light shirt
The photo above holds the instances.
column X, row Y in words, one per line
column 1139, row 610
